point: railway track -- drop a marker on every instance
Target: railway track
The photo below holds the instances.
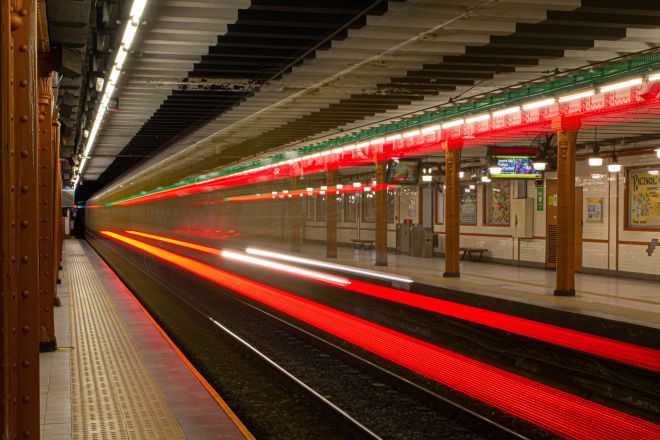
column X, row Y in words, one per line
column 287, row 382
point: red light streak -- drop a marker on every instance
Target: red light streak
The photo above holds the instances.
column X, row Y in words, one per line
column 639, row 356
column 186, row 244
column 557, row 411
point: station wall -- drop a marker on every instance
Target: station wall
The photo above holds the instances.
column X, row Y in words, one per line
column 609, row 245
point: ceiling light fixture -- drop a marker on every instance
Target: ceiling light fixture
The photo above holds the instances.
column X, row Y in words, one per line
column 621, row 85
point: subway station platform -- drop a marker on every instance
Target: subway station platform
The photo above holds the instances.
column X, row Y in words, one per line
column 116, row 375
column 621, row 300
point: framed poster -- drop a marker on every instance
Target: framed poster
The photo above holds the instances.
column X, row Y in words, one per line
column 468, row 205
column 643, row 198
column 497, row 200
column 594, row 210
column 439, row 207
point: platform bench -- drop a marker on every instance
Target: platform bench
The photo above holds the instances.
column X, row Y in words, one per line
column 473, row 251
column 358, row 243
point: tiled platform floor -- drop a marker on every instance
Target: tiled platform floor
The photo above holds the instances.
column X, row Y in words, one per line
column 620, row 299
column 114, row 375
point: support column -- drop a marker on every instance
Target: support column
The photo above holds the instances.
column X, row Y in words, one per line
column 452, row 213
column 566, row 212
column 381, row 216
column 57, row 206
column 45, row 162
column 9, row 21
column 296, row 218
column 331, row 215
column 26, row 249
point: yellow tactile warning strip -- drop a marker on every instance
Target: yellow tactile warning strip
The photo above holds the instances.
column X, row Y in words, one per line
column 114, row 396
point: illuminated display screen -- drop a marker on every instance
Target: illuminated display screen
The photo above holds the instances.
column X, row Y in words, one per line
column 403, row 171
column 517, row 167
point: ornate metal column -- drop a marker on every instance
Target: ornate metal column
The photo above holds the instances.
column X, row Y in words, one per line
column 566, row 212
column 46, row 166
column 331, row 215
column 25, row 251
column 9, row 22
column 381, row 217
column 295, row 214
column 452, row 212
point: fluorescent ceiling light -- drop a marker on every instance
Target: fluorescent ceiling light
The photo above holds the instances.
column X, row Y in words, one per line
column 137, row 9
column 392, row 138
column 455, row 123
column 495, row 170
column 363, row 145
column 539, row 104
column 595, row 161
column 575, row 96
column 121, row 57
column 654, row 77
column 506, row 111
column 427, row 178
column 479, row 118
column 129, row 35
column 431, row 129
column 621, row 85
column 378, row 141
column 410, row 133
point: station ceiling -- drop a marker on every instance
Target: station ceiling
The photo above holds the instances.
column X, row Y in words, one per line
column 229, row 80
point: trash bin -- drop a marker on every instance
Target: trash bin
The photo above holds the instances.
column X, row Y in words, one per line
column 403, row 238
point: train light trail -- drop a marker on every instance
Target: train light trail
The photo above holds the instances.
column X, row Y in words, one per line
column 186, row 244
column 557, row 411
column 331, row 266
column 643, row 357
column 271, row 265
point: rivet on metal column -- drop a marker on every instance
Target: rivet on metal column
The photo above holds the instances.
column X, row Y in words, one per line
column 47, row 275
column 452, row 210
column 331, row 214
column 27, row 239
column 381, row 216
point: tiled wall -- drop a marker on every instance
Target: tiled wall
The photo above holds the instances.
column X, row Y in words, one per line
column 607, row 245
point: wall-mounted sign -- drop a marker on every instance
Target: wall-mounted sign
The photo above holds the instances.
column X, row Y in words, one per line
column 643, row 198
column 595, row 210
column 539, row 198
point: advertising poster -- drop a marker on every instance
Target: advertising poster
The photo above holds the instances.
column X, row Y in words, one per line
column 468, row 205
column 594, row 210
column 644, row 199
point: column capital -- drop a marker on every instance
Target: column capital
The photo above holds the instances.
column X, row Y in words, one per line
column 563, row 123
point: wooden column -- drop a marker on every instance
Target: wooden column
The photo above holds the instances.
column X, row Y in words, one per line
column 9, row 21
column 331, row 215
column 381, row 216
column 295, row 214
column 452, row 212
column 565, row 212
column 46, row 167
column 26, row 249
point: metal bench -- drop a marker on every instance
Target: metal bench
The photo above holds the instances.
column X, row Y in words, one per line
column 367, row 245
column 472, row 251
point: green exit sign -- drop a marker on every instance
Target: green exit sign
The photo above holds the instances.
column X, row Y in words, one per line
column 539, row 199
